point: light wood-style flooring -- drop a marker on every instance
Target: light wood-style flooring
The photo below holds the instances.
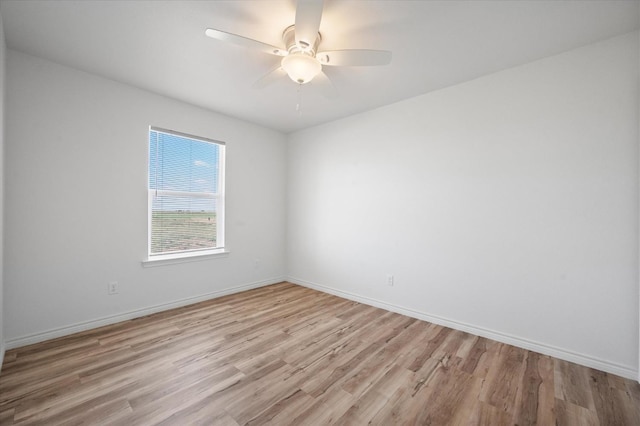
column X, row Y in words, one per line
column 286, row 354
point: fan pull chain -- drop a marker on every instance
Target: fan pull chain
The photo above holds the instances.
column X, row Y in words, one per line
column 299, row 104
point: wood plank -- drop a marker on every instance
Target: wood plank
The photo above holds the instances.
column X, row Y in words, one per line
column 482, row 414
column 546, row 391
column 572, row 384
column 529, row 400
column 452, row 391
column 326, row 410
column 608, row 406
column 569, row 414
column 375, row 398
column 502, row 383
column 282, row 411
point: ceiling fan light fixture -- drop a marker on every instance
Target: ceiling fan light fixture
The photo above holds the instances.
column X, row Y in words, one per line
column 300, row 67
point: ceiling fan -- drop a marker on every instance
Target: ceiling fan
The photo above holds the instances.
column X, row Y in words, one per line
column 301, row 59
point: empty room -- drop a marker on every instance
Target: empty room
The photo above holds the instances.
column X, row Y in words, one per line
column 307, row 212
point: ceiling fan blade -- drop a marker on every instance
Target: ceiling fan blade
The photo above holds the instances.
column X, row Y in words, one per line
column 325, row 85
column 269, row 78
column 354, row 57
column 307, row 25
column 246, row 42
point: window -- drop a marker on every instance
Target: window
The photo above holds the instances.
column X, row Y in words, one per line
column 186, row 195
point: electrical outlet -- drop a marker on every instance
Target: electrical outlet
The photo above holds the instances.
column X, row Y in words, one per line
column 112, row 288
column 390, row 280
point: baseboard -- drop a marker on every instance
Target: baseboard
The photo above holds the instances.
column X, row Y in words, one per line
column 585, row 360
column 88, row 325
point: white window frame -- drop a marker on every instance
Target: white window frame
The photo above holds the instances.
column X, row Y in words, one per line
column 198, row 254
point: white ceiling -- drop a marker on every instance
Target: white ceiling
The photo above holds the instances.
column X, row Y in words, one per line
column 160, row 46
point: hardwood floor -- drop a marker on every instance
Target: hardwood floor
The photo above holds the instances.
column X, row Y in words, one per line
column 285, row 354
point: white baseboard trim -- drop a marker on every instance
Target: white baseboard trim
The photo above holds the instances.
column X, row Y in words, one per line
column 585, row 360
column 112, row 319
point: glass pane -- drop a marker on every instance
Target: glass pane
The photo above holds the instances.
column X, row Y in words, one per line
column 183, row 224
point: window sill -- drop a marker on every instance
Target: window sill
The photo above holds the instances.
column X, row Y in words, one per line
column 184, row 258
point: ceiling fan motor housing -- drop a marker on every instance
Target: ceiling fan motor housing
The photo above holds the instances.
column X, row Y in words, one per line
column 289, row 39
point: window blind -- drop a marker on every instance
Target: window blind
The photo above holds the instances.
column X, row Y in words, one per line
column 185, row 193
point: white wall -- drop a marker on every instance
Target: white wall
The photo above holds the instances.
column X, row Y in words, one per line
column 76, row 201
column 506, row 206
